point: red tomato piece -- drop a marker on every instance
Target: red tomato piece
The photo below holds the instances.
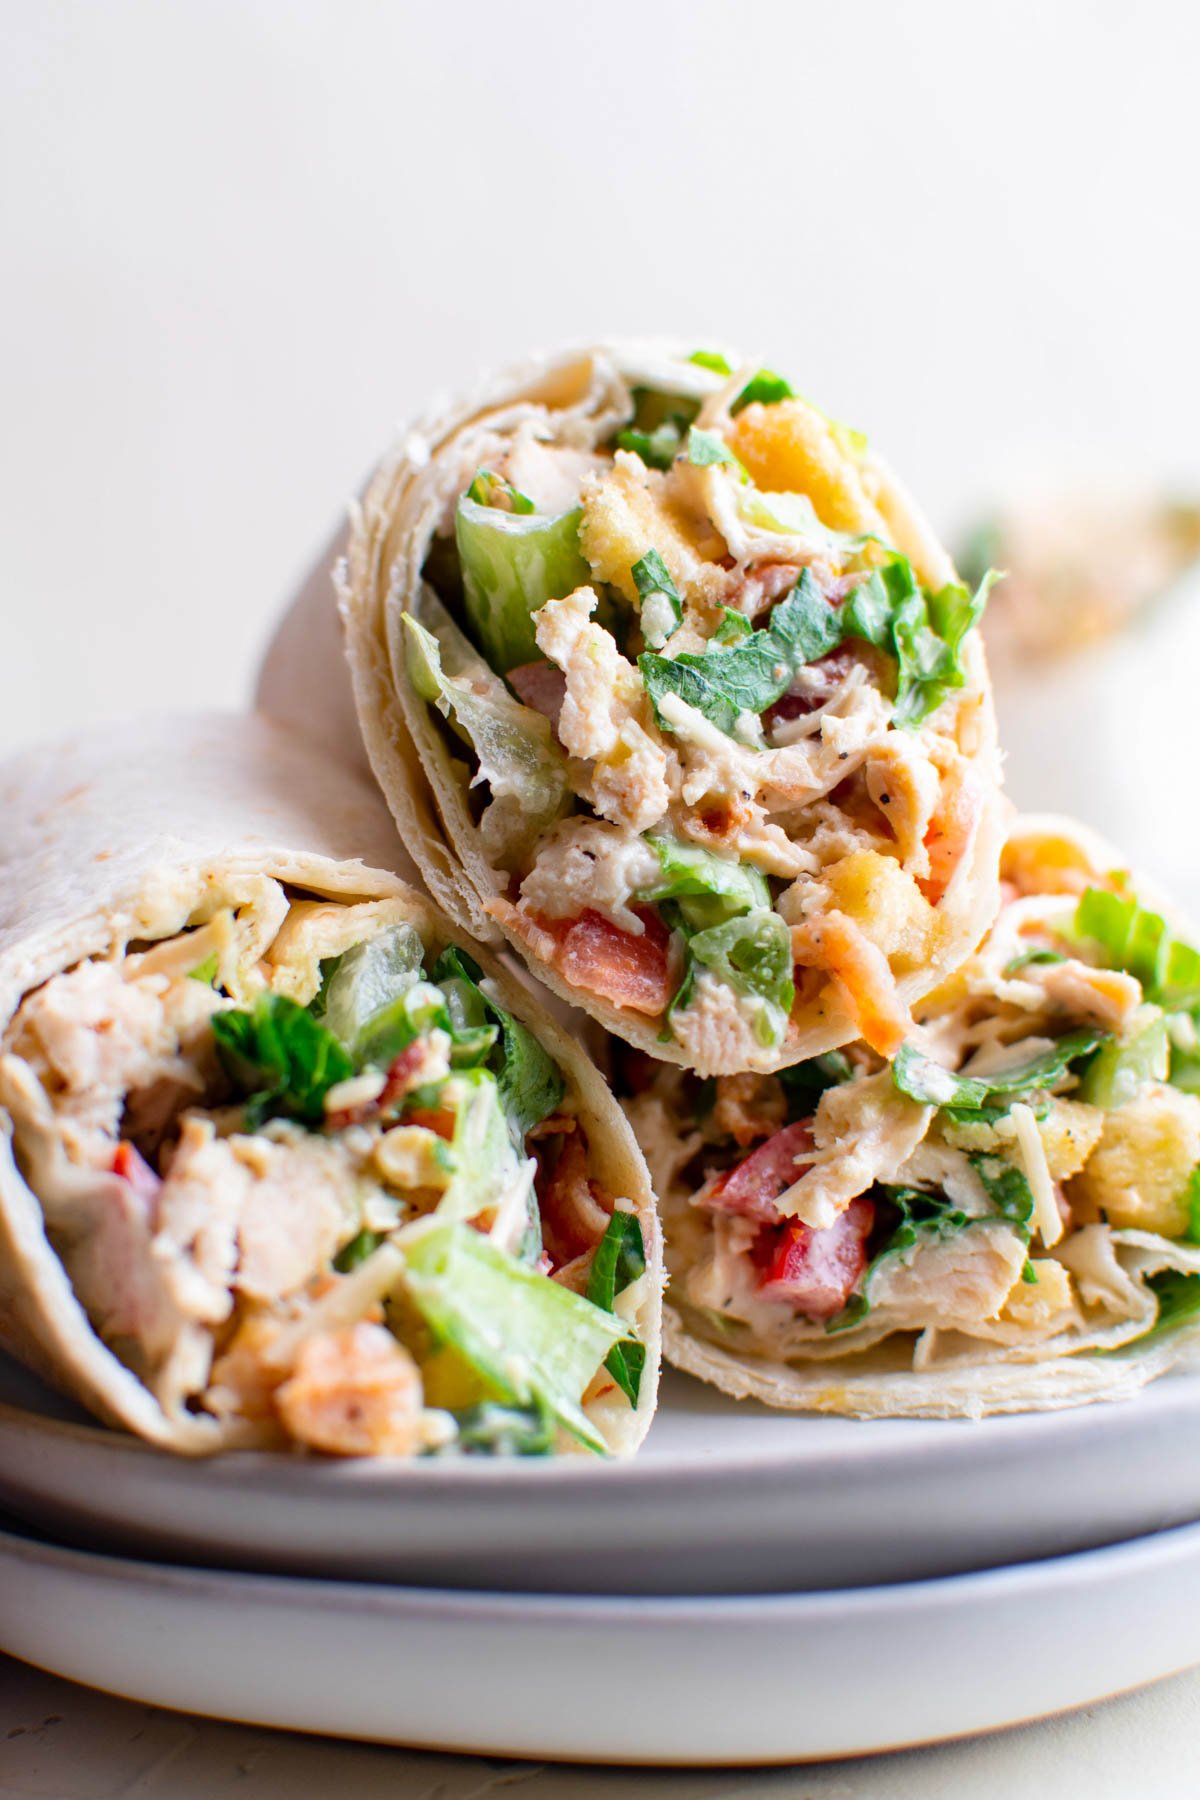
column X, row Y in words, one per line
column 817, row 1271
column 752, row 1186
column 596, row 955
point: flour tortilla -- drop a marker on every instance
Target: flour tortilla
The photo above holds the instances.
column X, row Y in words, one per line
column 584, row 395
column 118, row 835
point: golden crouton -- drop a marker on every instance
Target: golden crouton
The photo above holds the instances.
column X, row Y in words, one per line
column 1039, row 1303
column 631, row 509
column 790, row 448
column 1069, row 1132
column 885, row 903
column 1138, row 1174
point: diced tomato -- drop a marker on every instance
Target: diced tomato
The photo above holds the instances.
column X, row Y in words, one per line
column 816, row 1271
column 752, row 1187
column 540, row 685
column 136, row 1171
column 596, row 955
column 575, row 1211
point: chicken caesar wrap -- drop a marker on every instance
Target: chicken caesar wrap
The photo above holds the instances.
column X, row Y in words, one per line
column 664, row 677
column 1006, row 1216
column 285, row 1158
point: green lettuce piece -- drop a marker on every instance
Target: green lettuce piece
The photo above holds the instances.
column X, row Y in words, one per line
column 1029, row 957
column 518, row 756
column 766, row 387
column 803, row 1083
column 530, row 1084
column 206, row 971
column 530, row 1340
column 709, row 888
column 733, row 628
column 618, row 1261
column 1119, row 1071
column 923, row 631
column 711, row 359
column 358, row 985
column 1178, row 1297
column 490, row 1429
column 753, row 953
column 1007, row 1189
column 1132, row 938
column 796, row 515
column 279, row 1059
column 659, row 425
column 706, row 449
column 490, row 489
column 661, row 611
column 482, row 1156
column 918, row 1076
column 363, row 1245
column 753, row 673
column 512, row 563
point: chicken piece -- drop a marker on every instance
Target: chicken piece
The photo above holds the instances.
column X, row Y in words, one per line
column 353, row 1392
column 1104, row 997
column 716, row 1029
column 586, row 863
column 790, row 448
column 631, row 509
column 905, row 787
column 1139, row 1173
column 604, row 713
column 957, row 1281
column 863, row 1131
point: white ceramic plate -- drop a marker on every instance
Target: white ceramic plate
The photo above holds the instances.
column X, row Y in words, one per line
column 772, row 1678
column 725, row 1498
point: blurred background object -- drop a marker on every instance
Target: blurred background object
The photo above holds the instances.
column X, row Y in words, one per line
column 1094, row 642
column 242, row 240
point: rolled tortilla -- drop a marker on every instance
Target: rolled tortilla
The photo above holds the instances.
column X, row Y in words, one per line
column 891, row 1241
column 556, row 790
column 209, row 1268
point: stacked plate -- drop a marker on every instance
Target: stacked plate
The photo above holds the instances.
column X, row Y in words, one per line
column 754, row 1588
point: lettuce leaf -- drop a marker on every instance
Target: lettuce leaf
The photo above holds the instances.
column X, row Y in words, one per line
column 530, row 1340
column 280, row 1060
column 518, row 756
column 1132, row 938
column 660, row 422
column 530, row 1084
column 512, row 563
column 753, row 953
column 751, row 674
column 981, row 1096
column 1178, row 1297
column 618, row 1261
column 923, row 631
column 358, row 985
column 490, row 489
column 490, row 1429
column 709, row 888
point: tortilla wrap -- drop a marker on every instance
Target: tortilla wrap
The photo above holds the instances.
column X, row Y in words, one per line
column 127, row 836
column 884, row 1257
column 476, row 863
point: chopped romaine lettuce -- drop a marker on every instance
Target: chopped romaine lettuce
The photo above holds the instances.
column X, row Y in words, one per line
column 753, row 953
column 753, row 673
column 490, row 489
column 486, row 1165
column 279, row 1059
column 206, row 971
column 918, row 1076
column 618, row 1261
column 530, row 1083
column 1028, row 958
column 711, row 359
column 490, row 1429
column 1141, row 942
column 356, row 986
column 1120, row 1070
column 803, row 1083
column 767, row 388
column 528, row 1339
column 360, row 1247
column 512, row 563
column 796, row 516
column 922, row 630
column 1178, row 1297
column 659, row 424
column 707, row 448
column 661, row 611
column 709, row 888
column 518, row 756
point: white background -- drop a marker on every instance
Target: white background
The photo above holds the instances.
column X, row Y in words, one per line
column 240, row 241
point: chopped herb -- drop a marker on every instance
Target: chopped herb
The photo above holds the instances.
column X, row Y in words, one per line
column 710, row 359
column 1029, row 957
column 279, row 1059
column 360, row 1247
column 707, row 449
column 918, row 1076
column 661, row 605
column 766, row 388
column 618, row 1261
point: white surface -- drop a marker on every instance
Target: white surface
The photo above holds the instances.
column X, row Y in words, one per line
column 241, row 239
column 724, row 1498
column 582, row 1679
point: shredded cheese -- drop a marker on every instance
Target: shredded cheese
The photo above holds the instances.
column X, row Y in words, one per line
column 1032, row 1152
